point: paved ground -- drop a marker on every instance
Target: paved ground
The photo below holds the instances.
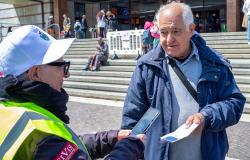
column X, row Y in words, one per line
column 100, row 117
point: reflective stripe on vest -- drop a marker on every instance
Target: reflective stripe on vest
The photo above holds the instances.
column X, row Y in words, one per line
column 34, row 117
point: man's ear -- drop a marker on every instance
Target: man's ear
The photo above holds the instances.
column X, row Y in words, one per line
column 192, row 27
column 33, row 73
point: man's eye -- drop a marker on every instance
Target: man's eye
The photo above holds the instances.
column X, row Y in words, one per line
column 164, row 32
column 175, row 31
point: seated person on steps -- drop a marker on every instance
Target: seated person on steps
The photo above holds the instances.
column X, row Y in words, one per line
column 100, row 57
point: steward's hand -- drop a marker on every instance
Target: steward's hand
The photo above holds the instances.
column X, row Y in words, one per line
column 126, row 133
column 123, row 134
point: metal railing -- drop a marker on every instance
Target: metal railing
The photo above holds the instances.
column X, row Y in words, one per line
column 125, row 42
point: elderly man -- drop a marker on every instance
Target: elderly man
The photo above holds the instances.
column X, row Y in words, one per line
column 33, row 104
column 100, row 57
column 215, row 102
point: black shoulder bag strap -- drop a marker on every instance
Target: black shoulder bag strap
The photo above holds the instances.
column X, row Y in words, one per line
column 183, row 79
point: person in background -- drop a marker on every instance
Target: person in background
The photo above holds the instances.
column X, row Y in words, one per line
column 33, row 117
column 147, row 39
column 78, row 29
column 154, row 30
column 9, row 30
column 246, row 10
column 84, row 26
column 50, row 27
column 66, row 26
column 214, row 104
column 101, row 23
column 93, row 31
column 100, row 57
column 197, row 22
column 215, row 23
column 112, row 23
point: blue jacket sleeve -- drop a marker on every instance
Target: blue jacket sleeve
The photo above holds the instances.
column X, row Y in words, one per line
column 229, row 106
column 135, row 104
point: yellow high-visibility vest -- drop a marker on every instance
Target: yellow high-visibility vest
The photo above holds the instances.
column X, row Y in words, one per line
column 20, row 121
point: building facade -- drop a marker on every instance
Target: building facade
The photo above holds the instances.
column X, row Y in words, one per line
column 130, row 13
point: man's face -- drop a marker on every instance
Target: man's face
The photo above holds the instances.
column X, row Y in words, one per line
column 53, row 75
column 174, row 35
column 99, row 42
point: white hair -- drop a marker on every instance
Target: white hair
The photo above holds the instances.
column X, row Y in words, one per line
column 186, row 12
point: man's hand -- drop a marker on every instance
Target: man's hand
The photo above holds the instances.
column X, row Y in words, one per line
column 123, row 134
column 197, row 118
column 126, row 133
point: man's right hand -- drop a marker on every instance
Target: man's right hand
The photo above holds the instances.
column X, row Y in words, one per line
column 126, row 133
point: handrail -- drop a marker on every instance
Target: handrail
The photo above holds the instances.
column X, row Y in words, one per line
column 58, row 27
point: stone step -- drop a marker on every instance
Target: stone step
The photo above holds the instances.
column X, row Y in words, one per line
column 82, row 49
column 121, row 62
column 224, row 34
column 240, row 79
column 108, row 68
column 234, row 51
column 237, row 56
column 245, row 88
column 96, row 94
column 236, row 63
column 247, row 95
column 85, row 46
column 247, row 108
column 96, row 86
column 86, row 52
column 89, row 40
column 217, row 38
column 243, row 41
column 103, row 80
column 78, row 56
column 95, row 39
column 101, row 74
column 236, row 71
column 230, row 46
column 131, row 69
column 241, row 71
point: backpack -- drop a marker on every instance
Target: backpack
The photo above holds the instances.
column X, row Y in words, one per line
column 147, row 39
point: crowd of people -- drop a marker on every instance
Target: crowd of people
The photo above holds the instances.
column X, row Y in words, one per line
column 105, row 22
column 187, row 81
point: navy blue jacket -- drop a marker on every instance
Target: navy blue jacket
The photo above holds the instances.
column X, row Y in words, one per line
column 219, row 98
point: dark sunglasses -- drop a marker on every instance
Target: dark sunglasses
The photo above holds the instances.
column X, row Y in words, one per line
column 65, row 64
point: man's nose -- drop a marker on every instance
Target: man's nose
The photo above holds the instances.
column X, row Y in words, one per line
column 170, row 37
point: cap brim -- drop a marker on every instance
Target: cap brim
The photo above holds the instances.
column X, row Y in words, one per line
column 57, row 49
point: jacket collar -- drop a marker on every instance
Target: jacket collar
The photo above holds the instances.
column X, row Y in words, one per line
column 154, row 57
column 207, row 54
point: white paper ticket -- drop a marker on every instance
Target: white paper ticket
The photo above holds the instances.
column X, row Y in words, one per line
column 179, row 133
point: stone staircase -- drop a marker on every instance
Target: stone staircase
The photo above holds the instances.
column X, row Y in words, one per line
column 112, row 81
